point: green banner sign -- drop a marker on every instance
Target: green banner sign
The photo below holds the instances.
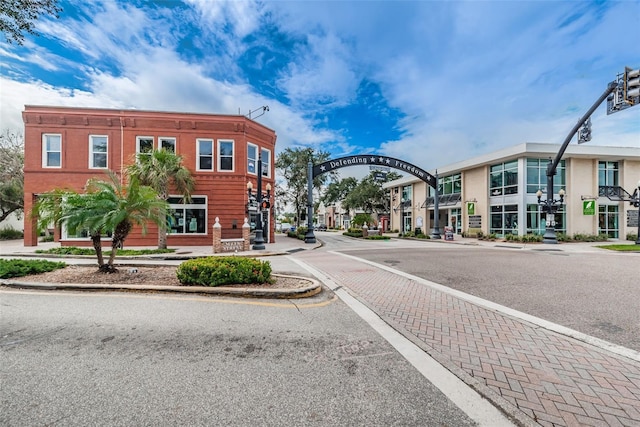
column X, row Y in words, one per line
column 589, row 207
column 471, row 208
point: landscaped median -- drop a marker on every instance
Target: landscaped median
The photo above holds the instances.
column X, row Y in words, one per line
column 233, row 276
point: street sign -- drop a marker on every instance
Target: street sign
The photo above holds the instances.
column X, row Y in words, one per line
column 589, row 207
column 475, row 221
column 471, row 208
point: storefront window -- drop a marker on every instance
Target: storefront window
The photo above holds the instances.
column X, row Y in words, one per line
column 190, row 218
column 608, row 216
column 504, row 219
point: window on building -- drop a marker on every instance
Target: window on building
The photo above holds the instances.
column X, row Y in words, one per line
column 608, row 220
column 536, row 220
column 447, row 185
column 504, row 220
column 167, row 143
column 51, row 151
column 608, row 174
column 189, row 218
column 225, row 155
column 144, row 145
column 407, row 193
column 503, row 179
column 265, row 155
column 252, row 158
column 205, row 154
column 98, row 152
column 537, row 176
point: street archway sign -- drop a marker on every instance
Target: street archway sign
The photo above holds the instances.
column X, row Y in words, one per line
column 366, row 160
column 370, row 160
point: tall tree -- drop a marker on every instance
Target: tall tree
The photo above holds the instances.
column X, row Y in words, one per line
column 292, row 165
column 18, row 16
column 369, row 195
column 11, row 173
column 107, row 207
column 163, row 170
column 337, row 191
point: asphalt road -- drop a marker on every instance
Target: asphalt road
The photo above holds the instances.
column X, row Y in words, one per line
column 116, row 359
column 597, row 294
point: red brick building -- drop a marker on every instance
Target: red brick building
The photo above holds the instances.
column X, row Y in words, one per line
column 66, row 146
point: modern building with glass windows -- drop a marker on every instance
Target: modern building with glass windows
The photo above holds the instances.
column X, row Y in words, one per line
column 496, row 193
column 64, row 147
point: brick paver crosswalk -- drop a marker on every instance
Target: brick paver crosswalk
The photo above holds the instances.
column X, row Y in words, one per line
column 553, row 379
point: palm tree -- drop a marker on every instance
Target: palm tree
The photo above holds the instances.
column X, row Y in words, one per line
column 107, row 207
column 161, row 170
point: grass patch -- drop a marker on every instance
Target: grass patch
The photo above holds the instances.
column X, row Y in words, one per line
column 23, row 267
column 621, row 248
column 72, row 250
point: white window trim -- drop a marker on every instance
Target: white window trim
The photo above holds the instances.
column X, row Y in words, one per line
column 171, row 138
column 91, row 152
column 213, row 154
column 44, row 150
column 255, row 171
column 233, row 155
column 268, row 169
column 138, row 138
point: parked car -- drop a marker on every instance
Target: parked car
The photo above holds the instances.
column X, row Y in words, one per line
column 322, row 227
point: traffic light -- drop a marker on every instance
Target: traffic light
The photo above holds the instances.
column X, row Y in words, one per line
column 631, row 86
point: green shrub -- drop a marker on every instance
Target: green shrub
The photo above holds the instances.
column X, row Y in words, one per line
column 590, row 237
column 377, row 237
column 48, row 238
column 479, row 234
column 217, row 271
column 632, row 236
column 423, row 236
column 23, row 267
column 10, row 233
column 353, row 232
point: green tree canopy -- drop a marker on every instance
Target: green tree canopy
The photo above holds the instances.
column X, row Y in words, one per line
column 292, row 165
column 368, row 195
column 11, row 173
column 17, row 16
column 163, row 170
column 338, row 190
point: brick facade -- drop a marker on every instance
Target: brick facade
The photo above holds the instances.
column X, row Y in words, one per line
column 68, row 135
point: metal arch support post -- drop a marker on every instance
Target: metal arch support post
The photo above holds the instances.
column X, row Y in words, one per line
column 435, row 232
column 550, row 231
column 309, row 237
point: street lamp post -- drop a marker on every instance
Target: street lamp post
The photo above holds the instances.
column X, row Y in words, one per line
column 263, row 203
column 402, row 217
column 635, row 201
column 550, row 207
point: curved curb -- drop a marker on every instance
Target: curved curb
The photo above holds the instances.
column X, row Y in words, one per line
column 246, row 292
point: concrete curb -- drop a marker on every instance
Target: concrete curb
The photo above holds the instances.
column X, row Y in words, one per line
column 247, row 292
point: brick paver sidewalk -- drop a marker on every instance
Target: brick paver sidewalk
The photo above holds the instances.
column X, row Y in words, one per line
column 523, row 368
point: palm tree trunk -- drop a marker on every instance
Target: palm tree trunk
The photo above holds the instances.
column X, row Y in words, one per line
column 162, row 235
column 97, row 246
column 119, row 234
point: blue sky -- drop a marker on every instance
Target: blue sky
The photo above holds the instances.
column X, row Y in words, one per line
column 430, row 82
